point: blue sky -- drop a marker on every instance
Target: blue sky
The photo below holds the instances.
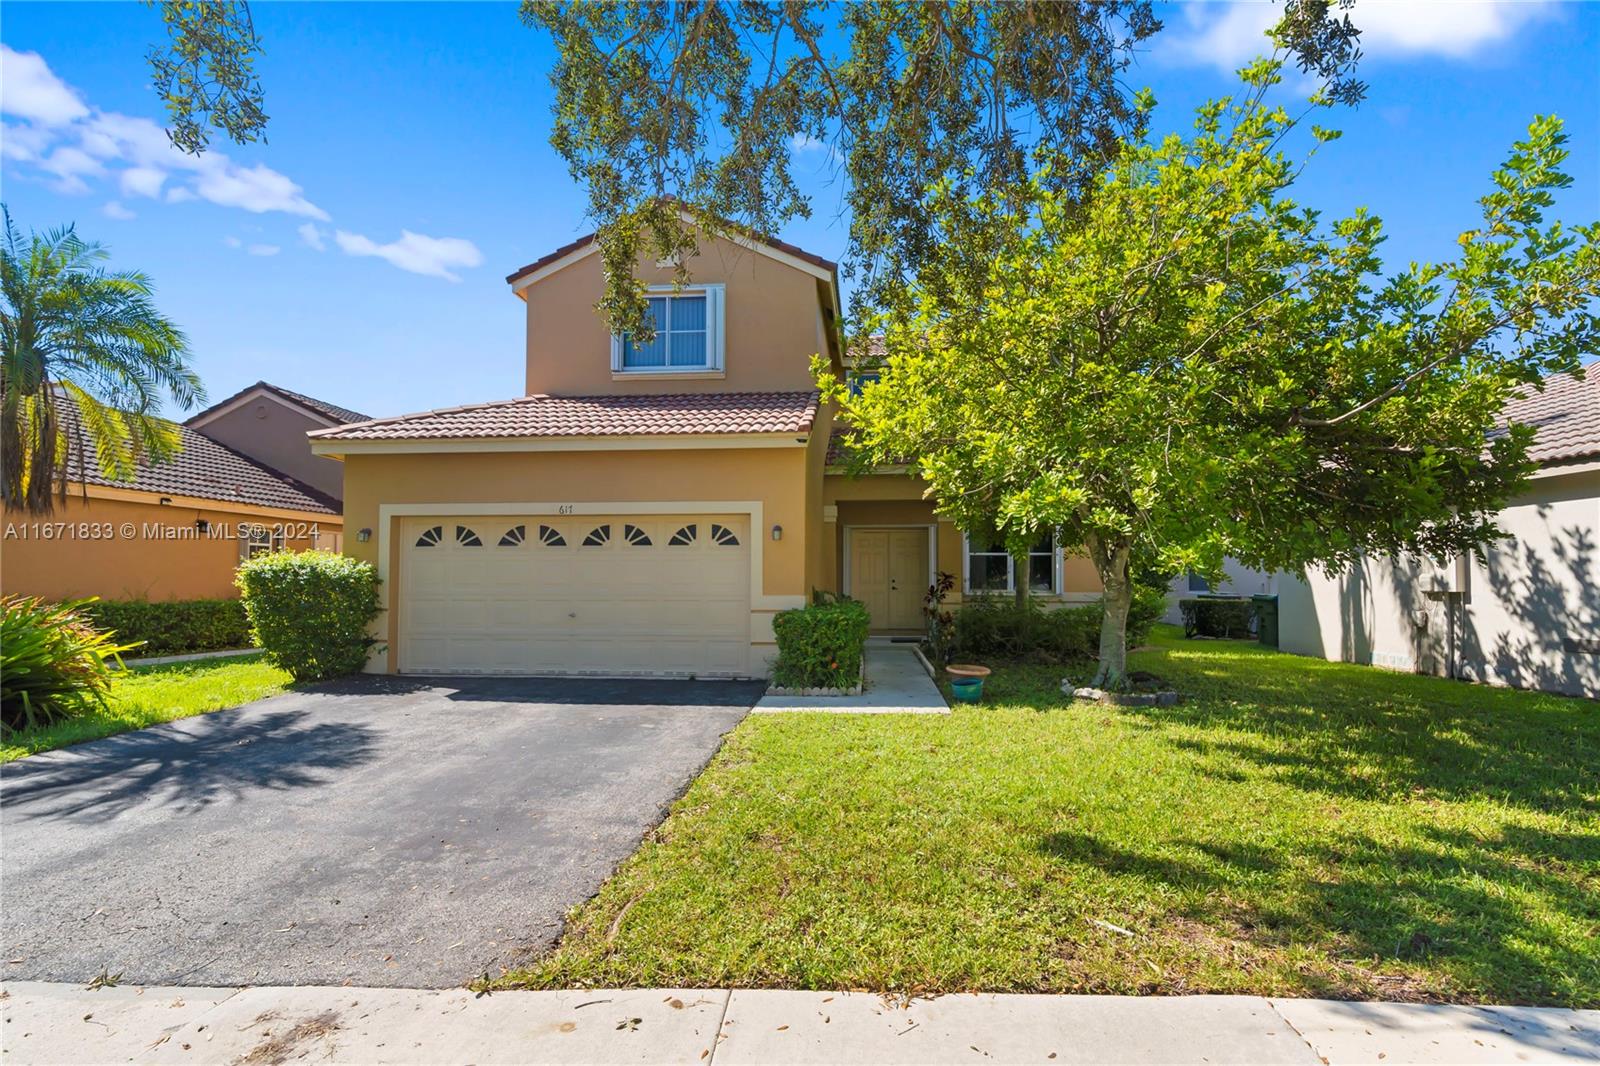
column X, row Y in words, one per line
column 290, row 261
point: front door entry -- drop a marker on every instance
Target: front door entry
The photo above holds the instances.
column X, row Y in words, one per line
column 889, row 573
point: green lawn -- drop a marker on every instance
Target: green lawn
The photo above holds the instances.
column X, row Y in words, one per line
column 1295, row 828
column 148, row 695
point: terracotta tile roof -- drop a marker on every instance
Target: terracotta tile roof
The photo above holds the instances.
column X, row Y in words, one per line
column 206, row 469
column 332, row 410
column 596, row 416
column 588, row 239
column 1566, row 415
column 321, row 407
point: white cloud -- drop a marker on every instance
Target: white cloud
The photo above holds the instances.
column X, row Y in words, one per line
column 1228, row 35
column 71, row 141
column 23, row 142
column 70, row 166
column 804, row 143
column 30, row 90
column 257, row 189
column 142, row 181
column 58, row 135
column 415, row 252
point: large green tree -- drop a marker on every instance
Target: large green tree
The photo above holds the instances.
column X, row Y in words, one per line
column 1188, row 363
column 71, row 329
column 662, row 106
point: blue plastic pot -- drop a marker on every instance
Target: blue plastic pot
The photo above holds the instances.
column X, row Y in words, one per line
column 967, row 689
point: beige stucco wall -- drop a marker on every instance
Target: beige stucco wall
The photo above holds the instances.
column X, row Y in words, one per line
column 180, row 565
column 773, row 477
column 1511, row 622
column 773, row 326
column 897, row 500
column 272, row 432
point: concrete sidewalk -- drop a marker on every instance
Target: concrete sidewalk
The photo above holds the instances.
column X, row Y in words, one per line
column 896, row 684
column 57, row 1023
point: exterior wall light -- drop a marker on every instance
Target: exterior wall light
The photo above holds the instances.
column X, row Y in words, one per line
column 777, row 532
column 364, row 535
column 202, row 526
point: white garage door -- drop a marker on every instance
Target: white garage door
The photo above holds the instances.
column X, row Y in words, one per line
column 622, row 594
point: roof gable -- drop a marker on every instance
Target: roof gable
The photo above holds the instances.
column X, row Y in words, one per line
column 330, row 413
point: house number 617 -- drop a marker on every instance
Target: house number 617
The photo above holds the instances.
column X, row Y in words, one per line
column 565, row 508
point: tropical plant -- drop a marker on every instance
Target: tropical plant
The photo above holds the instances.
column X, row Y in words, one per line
column 1190, row 364
column 53, row 663
column 73, row 332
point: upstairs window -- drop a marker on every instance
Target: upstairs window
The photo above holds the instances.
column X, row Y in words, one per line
column 860, row 379
column 688, row 334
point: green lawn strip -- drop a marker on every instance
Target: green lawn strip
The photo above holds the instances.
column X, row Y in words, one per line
column 149, row 695
column 1295, row 827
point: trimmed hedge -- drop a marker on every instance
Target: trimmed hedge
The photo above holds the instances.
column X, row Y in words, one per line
column 174, row 627
column 1218, row 616
column 997, row 627
column 310, row 611
column 820, row 646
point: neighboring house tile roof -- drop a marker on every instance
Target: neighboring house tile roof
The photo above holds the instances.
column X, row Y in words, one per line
column 205, row 469
column 588, row 239
column 596, row 416
column 1566, row 415
column 321, row 407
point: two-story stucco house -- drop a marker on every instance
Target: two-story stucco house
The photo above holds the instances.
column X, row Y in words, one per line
column 647, row 509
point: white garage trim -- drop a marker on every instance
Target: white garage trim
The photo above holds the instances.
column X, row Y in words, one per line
column 388, row 512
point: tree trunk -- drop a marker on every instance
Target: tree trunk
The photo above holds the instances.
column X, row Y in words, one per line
column 1111, row 559
column 1019, row 582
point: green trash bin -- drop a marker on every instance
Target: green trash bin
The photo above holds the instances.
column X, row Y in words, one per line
column 1266, row 619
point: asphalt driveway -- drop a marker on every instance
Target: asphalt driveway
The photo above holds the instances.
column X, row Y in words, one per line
column 380, row 831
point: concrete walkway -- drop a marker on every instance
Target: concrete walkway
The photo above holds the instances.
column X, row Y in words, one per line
column 896, row 684
column 53, row 1023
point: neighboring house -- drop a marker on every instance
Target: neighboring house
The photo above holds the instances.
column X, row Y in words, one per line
column 1237, row 580
column 1523, row 612
column 647, row 509
column 178, row 530
column 269, row 424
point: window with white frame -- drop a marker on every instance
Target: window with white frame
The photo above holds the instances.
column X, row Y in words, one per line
column 688, row 334
column 261, row 540
column 990, row 568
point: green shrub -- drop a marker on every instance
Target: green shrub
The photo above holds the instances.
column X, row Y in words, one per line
column 820, row 646
column 999, row 628
column 309, row 611
column 174, row 627
column 1217, row 616
column 53, row 663
column 1149, row 604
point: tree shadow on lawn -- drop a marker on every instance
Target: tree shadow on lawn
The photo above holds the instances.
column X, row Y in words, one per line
column 185, row 765
column 1445, row 919
column 1388, row 734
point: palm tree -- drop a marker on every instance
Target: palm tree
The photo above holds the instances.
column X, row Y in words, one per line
column 73, row 332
